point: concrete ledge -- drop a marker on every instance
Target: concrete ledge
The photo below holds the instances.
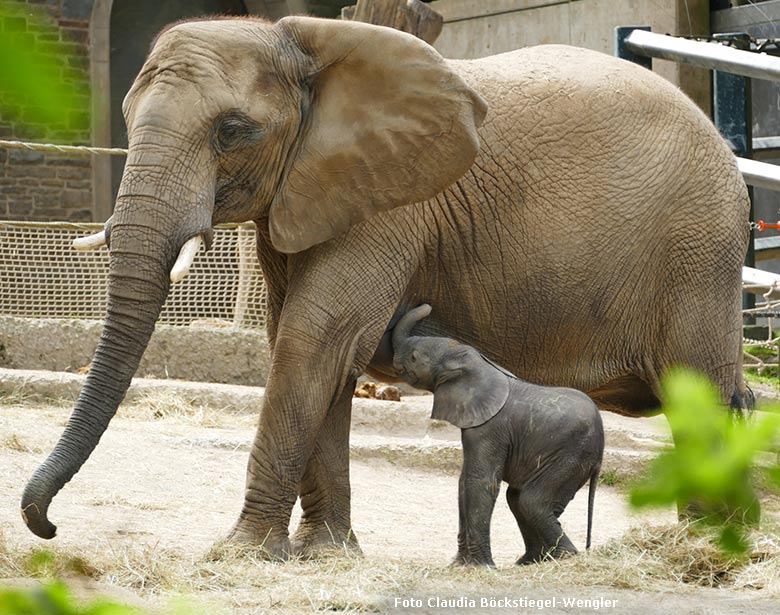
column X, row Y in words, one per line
column 205, row 354
column 44, row 385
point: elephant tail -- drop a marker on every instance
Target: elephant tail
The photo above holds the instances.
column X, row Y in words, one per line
column 591, row 496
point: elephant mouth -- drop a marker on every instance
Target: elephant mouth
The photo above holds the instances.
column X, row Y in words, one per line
column 407, row 376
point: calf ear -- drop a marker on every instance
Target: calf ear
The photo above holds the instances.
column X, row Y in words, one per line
column 471, row 398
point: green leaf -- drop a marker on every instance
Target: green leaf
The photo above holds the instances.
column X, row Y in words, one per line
column 711, row 462
column 37, row 86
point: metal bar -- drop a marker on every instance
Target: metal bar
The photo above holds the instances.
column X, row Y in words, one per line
column 767, row 243
column 706, row 55
column 621, row 51
column 760, row 174
column 757, row 277
column 765, row 143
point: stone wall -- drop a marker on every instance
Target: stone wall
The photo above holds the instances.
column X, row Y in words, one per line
column 34, row 185
column 477, row 29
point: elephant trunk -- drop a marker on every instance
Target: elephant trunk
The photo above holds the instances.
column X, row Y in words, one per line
column 404, row 327
column 144, row 243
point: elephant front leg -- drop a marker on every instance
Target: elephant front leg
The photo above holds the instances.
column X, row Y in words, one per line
column 477, row 497
column 325, row 489
column 302, row 384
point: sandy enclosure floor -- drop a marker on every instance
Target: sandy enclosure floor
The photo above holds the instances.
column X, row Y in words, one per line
column 158, row 492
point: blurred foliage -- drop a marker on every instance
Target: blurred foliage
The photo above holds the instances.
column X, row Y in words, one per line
column 55, row 599
column 710, row 468
column 32, row 64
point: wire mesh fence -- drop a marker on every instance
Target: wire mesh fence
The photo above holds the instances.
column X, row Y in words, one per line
column 42, row 276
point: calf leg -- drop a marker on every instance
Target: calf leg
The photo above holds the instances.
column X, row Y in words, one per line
column 477, row 498
column 539, row 509
column 532, row 540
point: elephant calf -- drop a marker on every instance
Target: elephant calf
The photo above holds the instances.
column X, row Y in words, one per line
column 545, row 442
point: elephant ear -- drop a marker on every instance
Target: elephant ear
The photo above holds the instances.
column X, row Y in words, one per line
column 388, row 124
column 473, row 396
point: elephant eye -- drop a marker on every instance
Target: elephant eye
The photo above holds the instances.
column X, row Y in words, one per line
column 233, row 130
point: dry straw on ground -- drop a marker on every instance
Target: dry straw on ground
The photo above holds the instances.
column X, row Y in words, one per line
column 667, row 557
column 165, row 406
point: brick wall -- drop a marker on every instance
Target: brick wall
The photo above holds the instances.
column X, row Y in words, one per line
column 34, row 185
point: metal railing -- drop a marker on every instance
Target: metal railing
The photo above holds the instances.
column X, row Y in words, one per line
column 639, row 42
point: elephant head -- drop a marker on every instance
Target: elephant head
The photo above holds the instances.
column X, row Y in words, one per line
column 307, row 126
column 468, row 388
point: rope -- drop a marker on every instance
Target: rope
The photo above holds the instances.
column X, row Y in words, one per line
column 770, row 309
column 63, row 149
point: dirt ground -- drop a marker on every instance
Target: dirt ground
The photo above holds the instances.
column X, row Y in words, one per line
column 140, row 520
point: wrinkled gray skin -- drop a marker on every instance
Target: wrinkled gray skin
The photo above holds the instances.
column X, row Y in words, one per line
column 545, row 442
column 572, row 215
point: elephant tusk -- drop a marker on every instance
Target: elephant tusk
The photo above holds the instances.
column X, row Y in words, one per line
column 92, row 242
column 186, row 255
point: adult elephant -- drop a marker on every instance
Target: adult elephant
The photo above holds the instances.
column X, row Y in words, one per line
column 594, row 238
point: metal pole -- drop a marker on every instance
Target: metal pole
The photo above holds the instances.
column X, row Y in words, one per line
column 760, row 174
column 707, row 55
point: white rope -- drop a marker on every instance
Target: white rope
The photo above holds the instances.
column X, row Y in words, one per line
column 63, row 149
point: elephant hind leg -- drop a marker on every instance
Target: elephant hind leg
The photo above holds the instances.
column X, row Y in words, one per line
column 537, row 511
column 531, row 538
column 325, row 488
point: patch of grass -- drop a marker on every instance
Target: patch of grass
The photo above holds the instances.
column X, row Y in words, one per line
column 768, row 376
column 680, row 554
column 43, row 563
column 15, row 443
column 24, row 397
column 56, row 599
column 162, row 406
column 610, row 477
column 17, row 397
column 144, row 569
column 762, row 352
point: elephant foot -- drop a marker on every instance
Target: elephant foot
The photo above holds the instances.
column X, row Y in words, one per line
column 463, row 560
column 249, row 539
column 527, row 560
column 552, row 553
column 316, row 540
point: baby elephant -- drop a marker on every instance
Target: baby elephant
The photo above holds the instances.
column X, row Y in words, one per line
column 545, row 442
